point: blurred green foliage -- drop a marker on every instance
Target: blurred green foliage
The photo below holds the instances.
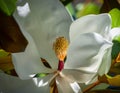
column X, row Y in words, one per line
column 90, row 8
column 115, row 15
column 8, row 6
column 115, row 49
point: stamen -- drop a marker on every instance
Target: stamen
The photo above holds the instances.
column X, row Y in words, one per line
column 60, row 46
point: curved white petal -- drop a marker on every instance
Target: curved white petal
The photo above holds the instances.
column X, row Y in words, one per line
column 86, row 52
column 78, row 75
column 106, row 62
column 11, row 84
column 104, row 67
column 114, row 32
column 28, row 62
column 65, row 85
column 91, row 23
column 46, row 20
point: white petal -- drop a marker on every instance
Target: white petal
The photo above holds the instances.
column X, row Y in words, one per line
column 11, row 84
column 104, row 67
column 40, row 82
column 28, row 62
column 78, row 75
column 86, row 52
column 91, row 23
column 46, row 20
column 106, row 62
column 114, row 32
column 65, row 85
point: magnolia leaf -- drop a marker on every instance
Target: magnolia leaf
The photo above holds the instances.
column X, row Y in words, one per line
column 115, row 15
column 109, row 5
column 71, row 9
column 117, row 38
column 3, row 53
column 115, row 49
column 8, row 6
column 6, row 63
column 11, row 38
column 114, row 81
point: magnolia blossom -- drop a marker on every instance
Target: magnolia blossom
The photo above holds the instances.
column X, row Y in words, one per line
column 87, row 56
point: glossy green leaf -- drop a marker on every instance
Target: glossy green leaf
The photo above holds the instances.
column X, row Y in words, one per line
column 115, row 49
column 115, row 15
column 8, row 6
column 71, row 9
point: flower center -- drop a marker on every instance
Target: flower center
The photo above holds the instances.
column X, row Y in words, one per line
column 60, row 47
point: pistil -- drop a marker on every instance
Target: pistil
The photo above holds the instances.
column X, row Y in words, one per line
column 60, row 47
